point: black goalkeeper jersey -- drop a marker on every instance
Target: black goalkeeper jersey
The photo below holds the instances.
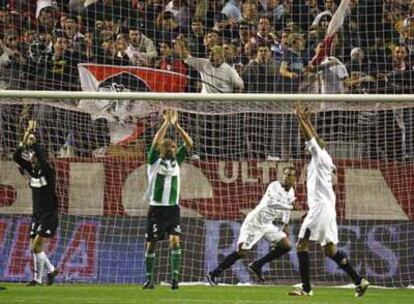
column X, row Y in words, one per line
column 42, row 180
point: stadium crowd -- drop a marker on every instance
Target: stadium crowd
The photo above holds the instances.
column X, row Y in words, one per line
column 269, row 43
column 264, row 46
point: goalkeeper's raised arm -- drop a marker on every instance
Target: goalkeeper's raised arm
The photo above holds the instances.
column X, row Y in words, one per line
column 32, row 159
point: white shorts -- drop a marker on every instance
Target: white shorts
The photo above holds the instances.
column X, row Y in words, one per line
column 322, row 226
column 251, row 234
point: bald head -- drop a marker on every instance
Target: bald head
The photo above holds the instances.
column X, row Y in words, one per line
column 168, row 148
column 216, row 56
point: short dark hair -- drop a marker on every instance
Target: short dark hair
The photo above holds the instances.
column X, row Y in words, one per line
column 197, row 19
column 263, row 44
column 289, row 167
column 167, row 15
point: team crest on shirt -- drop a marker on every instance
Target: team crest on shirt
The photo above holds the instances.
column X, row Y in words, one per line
column 167, row 167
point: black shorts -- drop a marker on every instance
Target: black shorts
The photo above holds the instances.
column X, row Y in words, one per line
column 44, row 224
column 161, row 221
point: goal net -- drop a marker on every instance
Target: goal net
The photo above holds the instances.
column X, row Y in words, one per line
column 273, row 46
column 98, row 150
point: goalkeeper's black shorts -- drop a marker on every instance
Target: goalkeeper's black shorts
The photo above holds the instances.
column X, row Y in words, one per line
column 162, row 220
column 44, row 224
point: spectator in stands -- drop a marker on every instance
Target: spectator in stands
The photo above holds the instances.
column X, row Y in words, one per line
column 216, row 75
column 246, row 32
column 225, row 27
column 230, row 53
column 12, row 61
column 62, row 66
column 263, row 34
column 333, row 76
column 281, row 14
column 106, row 52
column 141, row 50
column 72, row 32
column 167, row 28
column 318, row 29
column 180, row 11
column 28, row 37
column 407, row 33
column 232, row 10
column 400, row 59
column 330, row 6
column 292, row 65
column 359, row 70
column 39, row 54
column 280, row 48
column 121, row 57
column 150, row 11
column 401, row 73
column 206, row 10
column 10, row 49
column 104, row 10
column 47, row 19
column 196, row 38
column 260, row 75
column 249, row 12
column 314, row 9
column 168, row 61
column 212, row 38
column 249, row 53
column 110, row 29
column 359, row 62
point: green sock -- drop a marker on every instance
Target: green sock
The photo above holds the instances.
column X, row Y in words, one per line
column 175, row 263
column 149, row 266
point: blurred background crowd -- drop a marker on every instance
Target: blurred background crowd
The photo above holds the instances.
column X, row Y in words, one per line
column 267, row 44
column 220, row 46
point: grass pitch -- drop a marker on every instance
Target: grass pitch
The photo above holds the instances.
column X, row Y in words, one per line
column 125, row 294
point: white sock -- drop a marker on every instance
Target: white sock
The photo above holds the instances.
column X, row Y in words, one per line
column 39, row 263
column 48, row 265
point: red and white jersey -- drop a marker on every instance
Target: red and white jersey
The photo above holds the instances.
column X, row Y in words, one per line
column 319, row 178
column 276, row 203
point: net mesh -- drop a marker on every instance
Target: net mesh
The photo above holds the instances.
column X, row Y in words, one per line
column 99, row 158
column 269, row 46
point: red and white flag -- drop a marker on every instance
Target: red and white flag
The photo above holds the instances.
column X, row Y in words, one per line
column 335, row 24
column 108, row 78
column 94, row 77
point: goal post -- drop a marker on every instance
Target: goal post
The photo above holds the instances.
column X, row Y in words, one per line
column 98, row 144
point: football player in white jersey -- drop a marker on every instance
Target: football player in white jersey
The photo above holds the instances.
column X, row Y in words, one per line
column 163, row 193
column 276, row 203
column 319, row 224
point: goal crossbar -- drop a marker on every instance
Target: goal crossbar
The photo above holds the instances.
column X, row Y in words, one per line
column 206, row 97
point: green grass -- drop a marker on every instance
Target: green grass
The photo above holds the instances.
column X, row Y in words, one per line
column 125, row 294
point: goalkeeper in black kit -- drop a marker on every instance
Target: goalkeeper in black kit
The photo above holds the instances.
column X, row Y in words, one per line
column 32, row 161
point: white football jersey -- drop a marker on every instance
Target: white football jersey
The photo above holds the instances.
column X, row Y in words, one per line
column 276, row 203
column 319, row 177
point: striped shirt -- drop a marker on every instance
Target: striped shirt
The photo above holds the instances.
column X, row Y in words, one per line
column 164, row 178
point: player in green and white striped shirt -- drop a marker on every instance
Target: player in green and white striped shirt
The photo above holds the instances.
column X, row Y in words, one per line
column 163, row 193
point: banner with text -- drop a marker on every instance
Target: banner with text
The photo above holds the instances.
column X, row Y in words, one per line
column 111, row 250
